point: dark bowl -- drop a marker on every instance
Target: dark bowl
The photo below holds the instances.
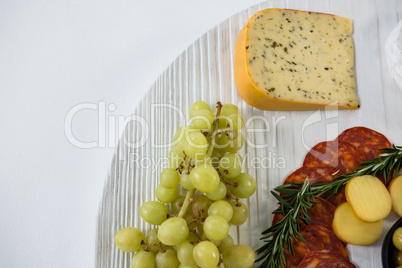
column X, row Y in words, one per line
column 388, row 246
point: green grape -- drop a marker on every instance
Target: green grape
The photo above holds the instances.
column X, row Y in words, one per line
column 230, row 165
column 179, row 136
column 178, row 203
column 219, row 193
column 185, row 254
column 218, row 153
column 192, row 238
column 176, row 156
column 185, row 181
column 246, row 186
column 167, row 259
column 225, row 243
column 205, row 178
column 236, row 143
column 229, row 109
column 201, row 204
column 231, row 143
column 221, row 141
column 221, row 208
column 166, row 195
column 188, row 266
column 200, row 228
column 152, row 239
column 238, row 256
column 216, row 227
column 235, row 121
column 395, row 256
column 177, row 153
column 201, row 159
column 226, row 111
column 203, row 120
column 154, row 212
column 216, row 156
column 204, row 237
column 169, row 178
column 189, row 218
column 397, row 238
column 175, row 247
column 143, row 259
column 129, row 239
column 240, row 213
column 173, row 231
column 206, row 254
column 198, row 106
column 223, row 122
column 196, row 145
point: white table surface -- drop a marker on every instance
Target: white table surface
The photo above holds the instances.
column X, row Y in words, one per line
column 78, row 60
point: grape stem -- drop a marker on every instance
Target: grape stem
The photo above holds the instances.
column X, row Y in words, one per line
column 215, row 127
column 225, row 131
column 186, row 203
column 197, row 213
column 218, row 113
column 192, row 221
column 225, row 181
column 188, row 163
column 229, row 194
column 147, row 246
column 196, row 234
column 160, row 245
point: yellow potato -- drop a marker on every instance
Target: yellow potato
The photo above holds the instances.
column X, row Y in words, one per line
column 395, row 190
column 351, row 230
column 369, row 198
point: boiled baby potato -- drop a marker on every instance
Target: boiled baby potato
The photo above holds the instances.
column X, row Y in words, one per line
column 352, row 230
column 368, row 198
column 395, row 190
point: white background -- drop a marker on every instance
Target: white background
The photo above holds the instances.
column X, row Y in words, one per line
column 55, row 55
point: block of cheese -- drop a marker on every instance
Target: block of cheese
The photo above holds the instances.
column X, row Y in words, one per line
column 296, row 60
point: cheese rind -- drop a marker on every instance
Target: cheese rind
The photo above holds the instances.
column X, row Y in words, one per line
column 296, row 60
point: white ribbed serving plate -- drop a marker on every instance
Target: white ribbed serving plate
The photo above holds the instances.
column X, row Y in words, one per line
column 204, row 72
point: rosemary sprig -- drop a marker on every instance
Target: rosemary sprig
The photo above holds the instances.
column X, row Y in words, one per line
column 298, row 197
column 280, row 235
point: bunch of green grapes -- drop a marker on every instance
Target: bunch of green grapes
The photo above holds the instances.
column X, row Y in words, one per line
column 195, row 232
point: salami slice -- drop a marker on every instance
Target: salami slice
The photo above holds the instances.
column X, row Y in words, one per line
column 340, row 155
column 366, row 140
column 317, row 175
column 325, row 259
column 321, row 213
column 317, row 238
column 339, row 197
